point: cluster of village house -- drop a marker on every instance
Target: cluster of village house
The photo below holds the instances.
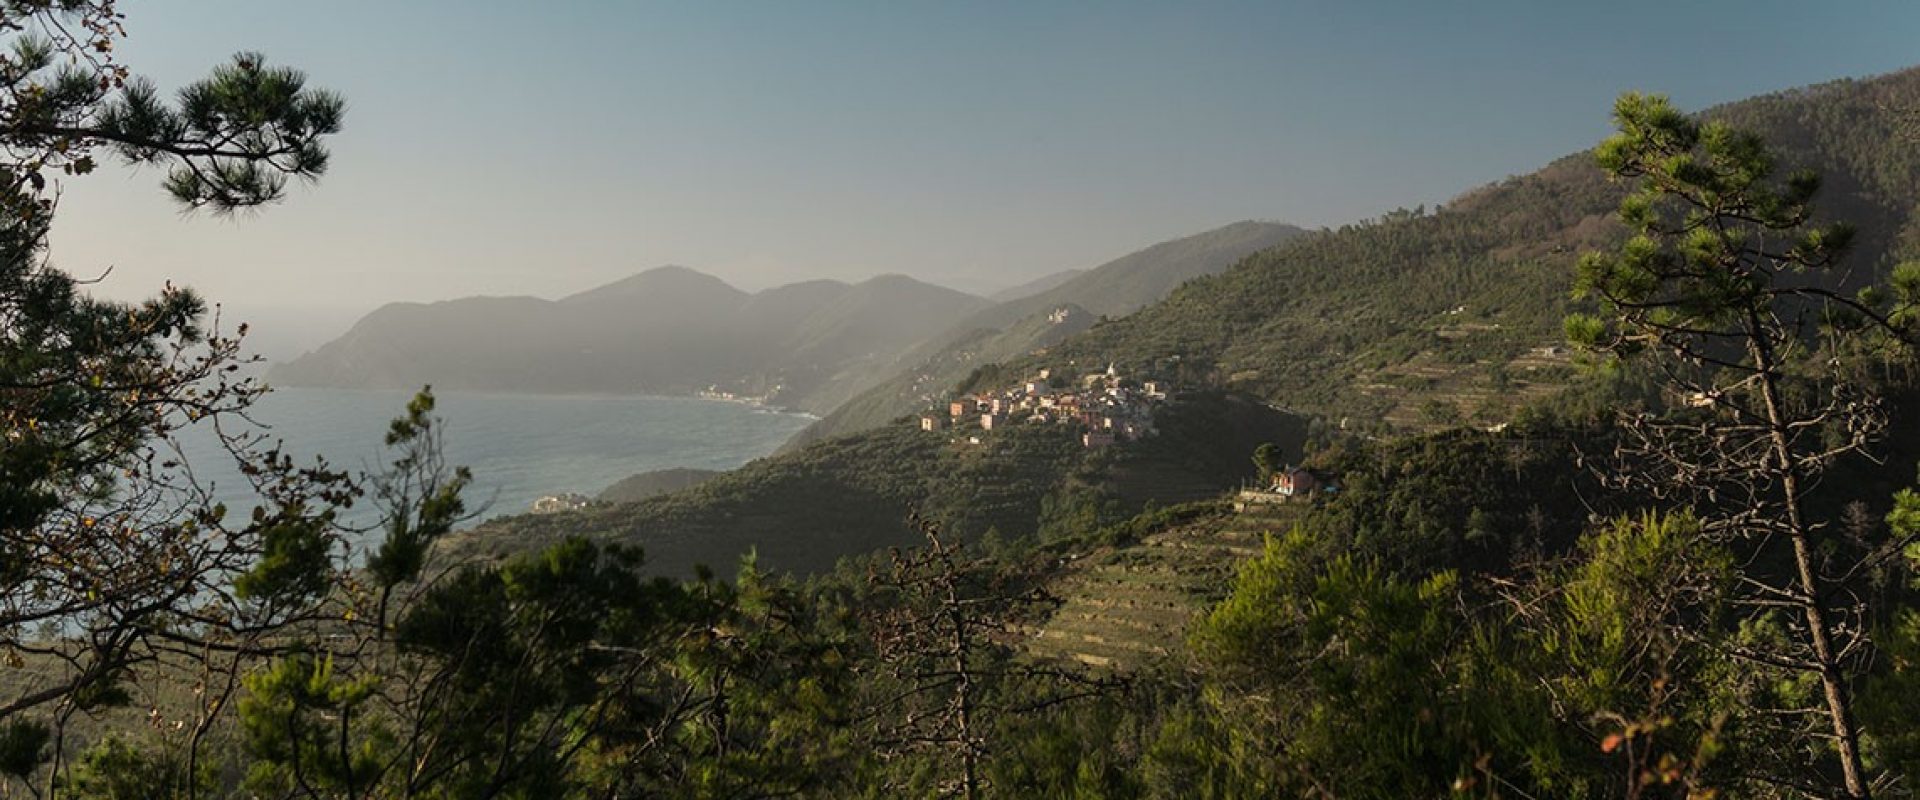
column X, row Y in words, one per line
column 1106, row 406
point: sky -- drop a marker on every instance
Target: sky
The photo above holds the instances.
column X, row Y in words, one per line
column 546, row 148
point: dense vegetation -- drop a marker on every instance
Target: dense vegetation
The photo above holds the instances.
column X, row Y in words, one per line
column 1699, row 577
column 634, row 488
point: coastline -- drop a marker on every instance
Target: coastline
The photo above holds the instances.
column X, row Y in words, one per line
column 755, row 403
column 521, row 445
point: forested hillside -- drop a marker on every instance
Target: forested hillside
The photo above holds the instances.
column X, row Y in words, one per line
column 1431, row 316
column 803, row 511
column 635, row 488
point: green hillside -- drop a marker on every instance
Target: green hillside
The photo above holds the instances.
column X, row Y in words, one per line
column 1427, row 317
column 635, row 488
column 803, row 511
column 1468, row 499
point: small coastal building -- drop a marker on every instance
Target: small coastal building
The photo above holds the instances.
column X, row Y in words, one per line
column 556, row 503
column 1096, row 439
column 1038, row 386
column 991, row 421
column 963, row 407
column 1295, row 482
column 932, row 422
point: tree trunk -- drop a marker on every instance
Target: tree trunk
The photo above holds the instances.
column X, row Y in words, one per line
column 1846, row 733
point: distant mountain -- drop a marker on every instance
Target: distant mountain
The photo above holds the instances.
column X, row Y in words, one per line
column 669, row 330
column 1037, row 320
column 1035, row 286
column 1426, row 318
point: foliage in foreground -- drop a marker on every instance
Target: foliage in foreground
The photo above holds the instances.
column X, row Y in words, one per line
column 1443, row 627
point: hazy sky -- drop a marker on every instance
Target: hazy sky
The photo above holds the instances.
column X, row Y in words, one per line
column 544, row 148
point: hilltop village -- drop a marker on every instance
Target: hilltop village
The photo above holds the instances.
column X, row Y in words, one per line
column 1107, row 406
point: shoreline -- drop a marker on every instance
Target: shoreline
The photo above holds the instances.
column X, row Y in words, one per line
column 752, row 403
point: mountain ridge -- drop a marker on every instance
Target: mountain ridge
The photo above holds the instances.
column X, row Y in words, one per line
column 668, row 330
column 1035, row 286
column 1015, row 327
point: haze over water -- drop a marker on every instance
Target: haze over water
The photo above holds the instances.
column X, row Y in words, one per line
column 519, row 446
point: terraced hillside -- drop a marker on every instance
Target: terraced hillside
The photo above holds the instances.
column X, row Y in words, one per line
column 1429, row 392
column 1126, row 608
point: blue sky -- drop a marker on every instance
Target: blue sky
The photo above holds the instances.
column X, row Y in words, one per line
column 543, row 148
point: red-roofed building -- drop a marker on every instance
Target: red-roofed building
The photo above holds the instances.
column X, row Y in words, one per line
column 1295, row 482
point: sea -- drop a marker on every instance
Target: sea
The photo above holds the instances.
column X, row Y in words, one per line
column 519, row 446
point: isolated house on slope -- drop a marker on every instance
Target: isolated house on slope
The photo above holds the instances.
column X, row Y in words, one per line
column 1295, row 482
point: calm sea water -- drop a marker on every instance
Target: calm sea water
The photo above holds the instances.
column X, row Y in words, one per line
column 519, row 446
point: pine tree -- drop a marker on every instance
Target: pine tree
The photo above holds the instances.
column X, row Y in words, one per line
column 1733, row 291
column 111, row 555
